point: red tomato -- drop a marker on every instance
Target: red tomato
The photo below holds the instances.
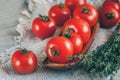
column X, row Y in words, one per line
column 76, row 41
column 119, row 5
column 43, row 27
column 112, row 3
column 86, row 12
column 78, row 26
column 109, row 16
column 59, row 13
column 24, row 61
column 71, row 4
column 59, row 49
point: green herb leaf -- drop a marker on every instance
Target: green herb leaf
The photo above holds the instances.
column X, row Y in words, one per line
column 105, row 60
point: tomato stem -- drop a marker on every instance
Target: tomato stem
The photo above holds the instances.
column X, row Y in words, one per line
column 115, row 0
column 85, row 10
column 73, row 57
column 44, row 18
column 110, row 15
column 61, row 5
column 67, row 32
column 55, row 52
column 24, row 51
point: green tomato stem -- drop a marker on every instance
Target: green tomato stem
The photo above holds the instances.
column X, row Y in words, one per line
column 24, row 51
column 110, row 16
column 85, row 10
column 115, row 0
column 55, row 52
column 61, row 5
column 67, row 32
column 44, row 18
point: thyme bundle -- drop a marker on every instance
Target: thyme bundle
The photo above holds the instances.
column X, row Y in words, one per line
column 105, row 60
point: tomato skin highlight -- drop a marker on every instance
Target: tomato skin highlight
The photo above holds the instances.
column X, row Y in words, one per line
column 59, row 14
column 43, row 29
column 24, row 63
column 64, row 48
column 106, row 21
column 80, row 27
column 86, row 12
column 71, row 4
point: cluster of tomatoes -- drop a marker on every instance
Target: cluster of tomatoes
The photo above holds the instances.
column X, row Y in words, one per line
column 76, row 17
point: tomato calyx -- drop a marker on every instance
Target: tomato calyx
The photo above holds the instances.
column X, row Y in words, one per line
column 85, row 10
column 110, row 16
column 115, row 0
column 55, row 52
column 60, row 5
column 44, row 18
column 24, row 51
column 72, row 57
column 75, row 56
column 67, row 32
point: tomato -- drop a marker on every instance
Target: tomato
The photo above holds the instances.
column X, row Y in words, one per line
column 24, row 61
column 43, row 27
column 71, row 4
column 112, row 3
column 119, row 5
column 76, row 41
column 59, row 49
column 86, row 12
column 109, row 16
column 118, row 2
column 78, row 26
column 59, row 13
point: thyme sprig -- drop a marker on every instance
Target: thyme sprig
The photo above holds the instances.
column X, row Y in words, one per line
column 105, row 60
